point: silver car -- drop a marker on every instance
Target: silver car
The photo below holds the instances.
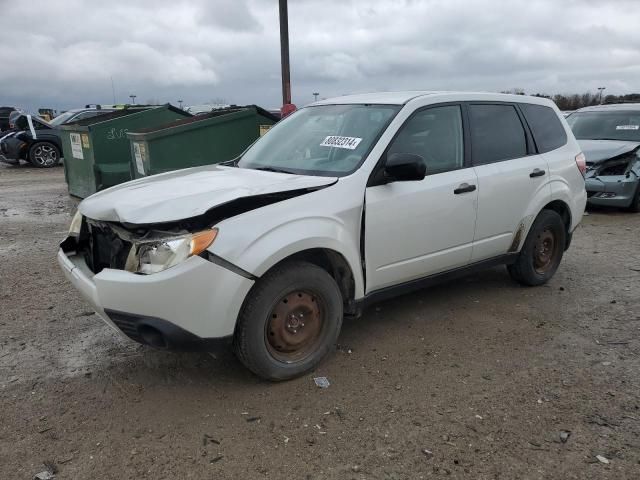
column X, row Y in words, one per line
column 610, row 139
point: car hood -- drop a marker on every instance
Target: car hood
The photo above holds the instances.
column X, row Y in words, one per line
column 597, row 151
column 173, row 196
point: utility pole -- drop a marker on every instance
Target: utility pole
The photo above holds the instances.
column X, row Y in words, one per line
column 113, row 90
column 601, row 89
column 133, row 99
column 315, row 96
column 284, row 52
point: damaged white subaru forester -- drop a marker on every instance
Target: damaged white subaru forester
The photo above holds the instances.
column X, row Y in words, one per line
column 345, row 202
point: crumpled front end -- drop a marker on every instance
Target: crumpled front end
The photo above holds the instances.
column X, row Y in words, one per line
column 190, row 306
column 13, row 149
column 613, row 182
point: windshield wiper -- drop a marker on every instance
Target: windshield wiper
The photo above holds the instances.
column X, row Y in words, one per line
column 274, row 169
column 614, row 139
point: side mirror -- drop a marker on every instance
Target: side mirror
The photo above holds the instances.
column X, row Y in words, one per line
column 403, row 167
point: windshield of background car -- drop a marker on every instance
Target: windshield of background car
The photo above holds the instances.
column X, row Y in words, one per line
column 60, row 119
column 324, row 140
column 620, row 125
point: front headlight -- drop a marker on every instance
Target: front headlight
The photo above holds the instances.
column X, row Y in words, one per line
column 76, row 224
column 157, row 255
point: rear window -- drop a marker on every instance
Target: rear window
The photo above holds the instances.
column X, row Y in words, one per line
column 547, row 130
column 496, row 133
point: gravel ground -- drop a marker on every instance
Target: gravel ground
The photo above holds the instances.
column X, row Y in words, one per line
column 472, row 379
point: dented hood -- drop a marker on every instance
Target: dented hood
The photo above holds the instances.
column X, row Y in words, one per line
column 597, row 151
column 188, row 193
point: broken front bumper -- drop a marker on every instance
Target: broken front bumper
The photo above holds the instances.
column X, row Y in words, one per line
column 187, row 307
column 611, row 190
column 12, row 149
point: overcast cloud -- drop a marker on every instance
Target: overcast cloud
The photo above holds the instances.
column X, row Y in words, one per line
column 63, row 54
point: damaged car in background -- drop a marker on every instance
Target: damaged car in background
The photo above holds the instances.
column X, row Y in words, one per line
column 343, row 203
column 610, row 139
column 36, row 140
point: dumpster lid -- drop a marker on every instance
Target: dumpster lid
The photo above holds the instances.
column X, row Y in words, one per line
column 107, row 116
column 215, row 113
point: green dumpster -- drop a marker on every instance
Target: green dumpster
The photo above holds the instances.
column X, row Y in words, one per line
column 200, row 140
column 97, row 153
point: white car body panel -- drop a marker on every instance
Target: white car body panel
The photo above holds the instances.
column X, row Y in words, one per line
column 187, row 193
column 412, row 229
column 327, row 218
column 409, row 229
column 566, row 181
column 505, row 195
column 182, row 293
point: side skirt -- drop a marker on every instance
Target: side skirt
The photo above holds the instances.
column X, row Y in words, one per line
column 425, row 282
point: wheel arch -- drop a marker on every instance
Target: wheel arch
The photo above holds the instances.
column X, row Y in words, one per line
column 562, row 209
column 335, row 264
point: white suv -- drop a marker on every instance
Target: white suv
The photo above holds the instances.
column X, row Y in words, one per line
column 343, row 203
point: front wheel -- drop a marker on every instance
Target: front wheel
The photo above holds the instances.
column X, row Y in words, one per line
column 290, row 320
column 44, row 155
column 542, row 251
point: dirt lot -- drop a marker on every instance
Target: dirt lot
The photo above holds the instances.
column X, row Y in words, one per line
column 473, row 379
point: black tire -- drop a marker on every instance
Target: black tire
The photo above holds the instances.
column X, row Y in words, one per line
column 266, row 339
column 542, row 250
column 635, row 203
column 44, row 155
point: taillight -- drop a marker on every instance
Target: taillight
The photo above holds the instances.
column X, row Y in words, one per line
column 581, row 161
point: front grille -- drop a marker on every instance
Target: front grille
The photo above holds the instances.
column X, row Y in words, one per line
column 590, row 194
column 103, row 248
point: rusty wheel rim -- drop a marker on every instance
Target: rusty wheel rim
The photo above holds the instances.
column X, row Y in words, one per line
column 294, row 328
column 544, row 252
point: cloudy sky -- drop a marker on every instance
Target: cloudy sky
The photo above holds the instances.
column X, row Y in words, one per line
column 63, row 54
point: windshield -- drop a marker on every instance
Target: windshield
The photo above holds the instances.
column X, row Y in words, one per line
column 325, row 140
column 620, row 125
column 62, row 118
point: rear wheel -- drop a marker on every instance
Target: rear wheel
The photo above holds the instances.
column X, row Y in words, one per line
column 44, row 155
column 542, row 250
column 290, row 321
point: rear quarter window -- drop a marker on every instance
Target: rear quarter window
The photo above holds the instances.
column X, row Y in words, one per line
column 547, row 130
column 497, row 133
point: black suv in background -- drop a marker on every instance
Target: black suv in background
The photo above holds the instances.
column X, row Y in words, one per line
column 37, row 141
column 4, row 117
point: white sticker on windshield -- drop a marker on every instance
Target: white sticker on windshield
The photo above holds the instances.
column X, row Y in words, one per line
column 628, row 127
column 350, row 143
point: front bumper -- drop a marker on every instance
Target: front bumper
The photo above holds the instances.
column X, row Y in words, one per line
column 612, row 191
column 13, row 149
column 191, row 306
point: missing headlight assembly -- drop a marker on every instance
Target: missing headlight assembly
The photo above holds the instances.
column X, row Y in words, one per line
column 141, row 250
column 616, row 166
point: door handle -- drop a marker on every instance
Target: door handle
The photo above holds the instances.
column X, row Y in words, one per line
column 464, row 188
column 537, row 173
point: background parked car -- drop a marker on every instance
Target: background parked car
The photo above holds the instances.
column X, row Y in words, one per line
column 4, row 117
column 610, row 139
column 37, row 141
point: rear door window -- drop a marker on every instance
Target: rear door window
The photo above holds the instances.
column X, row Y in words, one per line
column 497, row 133
column 548, row 132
